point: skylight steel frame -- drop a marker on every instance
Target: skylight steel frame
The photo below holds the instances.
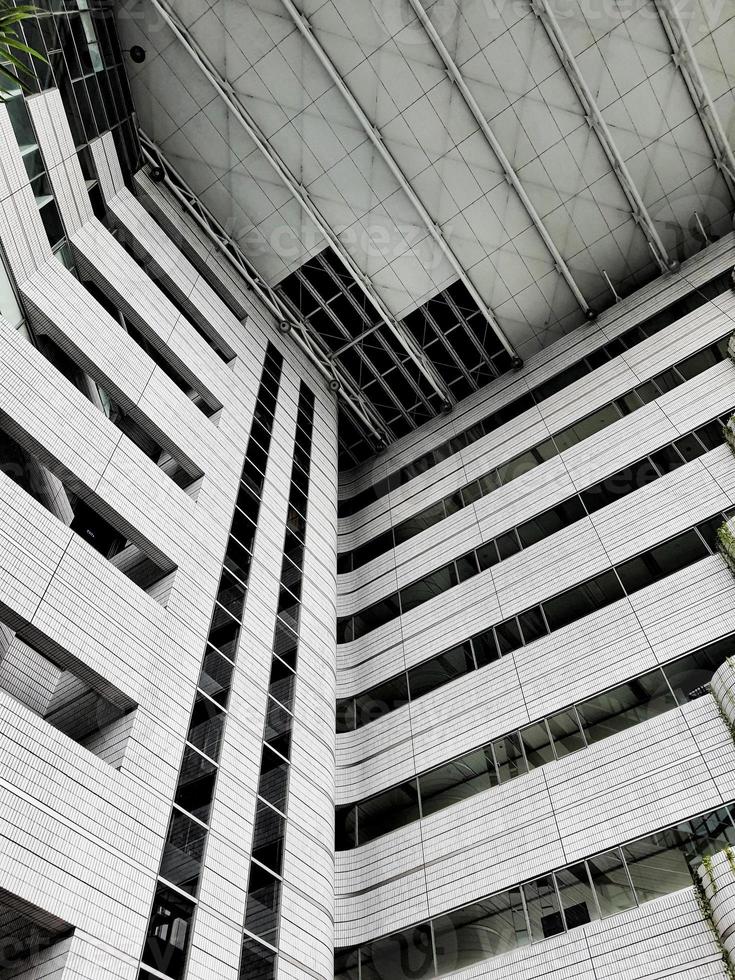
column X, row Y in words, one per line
column 229, row 97
column 362, row 412
column 686, row 61
column 512, row 177
column 376, row 138
column 596, row 121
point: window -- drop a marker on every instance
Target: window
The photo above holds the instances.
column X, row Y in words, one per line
column 379, row 700
column 689, row 675
column 440, row 670
column 196, row 784
column 657, row 866
column 182, row 855
column 626, row 705
column 390, row 810
column 544, row 911
column 611, row 882
column 263, row 904
column 257, row 962
column 457, row 780
column 268, row 837
column 577, row 897
column 663, row 560
column 484, row 929
column 582, row 600
column 168, row 932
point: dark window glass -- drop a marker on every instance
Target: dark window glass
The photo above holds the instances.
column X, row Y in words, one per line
column 508, row 636
column 220, row 618
column 182, row 855
column 264, row 903
column 711, row 435
column 457, row 780
column 285, row 644
column 419, row 522
column 406, row 955
column 689, row 446
column 619, row 485
column 231, row 595
column 345, row 827
column 509, row 757
column 257, row 962
column 586, row 427
column 206, row 727
column 667, row 459
column 668, row 380
column 626, row 705
column 268, row 837
column 566, row 732
column 225, row 637
column 479, row 931
column 508, row 544
column 551, row 521
column 167, row 940
column 582, row 600
column 440, row 670
column 237, row 560
column 485, row 648
column 663, row 560
column 375, row 616
column 278, row 723
column 537, row 743
column 196, row 784
column 471, row 493
column 532, row 624
column 657, row 866
column 392, row 809
column 577, row 897
column 542, row 906
column 380, row 700
column 426, row 588
column 273, row 778
column 628, row 403
column 453, row 503
column 487, row 555
column 689, row 675
column 467, row 566
column 282, row 682
column 648, row 392
column 345, row 715
column 611, row 883
column 693, row 365
column 216, row 676
column 708, row 530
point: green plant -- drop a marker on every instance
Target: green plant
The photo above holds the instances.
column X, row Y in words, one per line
column 12, row 68
column 728, row 430
column 730, row 858
column 707, row 865
column 706, row 909
column 726, row 543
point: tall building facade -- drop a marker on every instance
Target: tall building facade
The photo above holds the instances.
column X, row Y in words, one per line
column 464, row 710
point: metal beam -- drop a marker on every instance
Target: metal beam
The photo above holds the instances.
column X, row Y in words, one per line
column 338, row 284
column 685, row 59
column 542, row 9
column 376, row 138
column 230, row 98
column 472, row 104
column 359, row 407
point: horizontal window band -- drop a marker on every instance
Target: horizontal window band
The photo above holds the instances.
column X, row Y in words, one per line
column 548, row 739
column 554, row 613
column 627, row 480
column 554, row 445
column 629, row 338
column 605, row 884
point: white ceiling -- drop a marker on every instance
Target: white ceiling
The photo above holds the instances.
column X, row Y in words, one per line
column 392, row 69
